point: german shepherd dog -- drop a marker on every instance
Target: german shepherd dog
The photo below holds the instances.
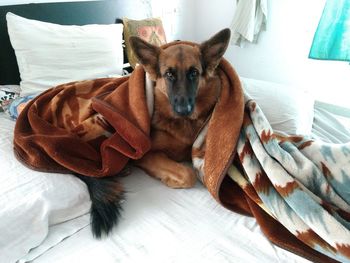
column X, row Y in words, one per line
column 186, row 89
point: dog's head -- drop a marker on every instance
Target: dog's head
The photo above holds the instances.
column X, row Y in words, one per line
column 180, row 69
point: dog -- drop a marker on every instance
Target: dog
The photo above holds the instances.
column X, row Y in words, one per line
column 187, row 87
column 186, row 90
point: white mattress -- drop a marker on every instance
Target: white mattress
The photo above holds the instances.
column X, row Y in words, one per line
column 158, row 224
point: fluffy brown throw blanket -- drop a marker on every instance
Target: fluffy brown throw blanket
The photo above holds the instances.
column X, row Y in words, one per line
column 91, row 127
column 94, row 127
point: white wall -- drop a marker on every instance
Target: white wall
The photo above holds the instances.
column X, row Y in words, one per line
column 282, row 52
column 176, row 16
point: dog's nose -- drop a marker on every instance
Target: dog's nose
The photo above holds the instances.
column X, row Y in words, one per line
column 183, row 106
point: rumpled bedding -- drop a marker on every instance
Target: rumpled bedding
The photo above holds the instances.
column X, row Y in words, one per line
column 296, row 188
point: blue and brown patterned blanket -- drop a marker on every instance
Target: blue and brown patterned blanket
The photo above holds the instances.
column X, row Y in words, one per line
column 301, row 183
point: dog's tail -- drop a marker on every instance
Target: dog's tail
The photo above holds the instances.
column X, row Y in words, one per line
column 106, row 195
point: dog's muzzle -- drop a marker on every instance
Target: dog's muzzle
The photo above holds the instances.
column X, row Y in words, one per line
column 183, row 106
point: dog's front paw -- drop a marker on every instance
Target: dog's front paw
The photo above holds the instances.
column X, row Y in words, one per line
column 182, row 178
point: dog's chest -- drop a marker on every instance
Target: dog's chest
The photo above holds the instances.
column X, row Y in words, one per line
column 174, row 136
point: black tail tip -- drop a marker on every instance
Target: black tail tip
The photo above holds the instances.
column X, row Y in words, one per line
column 107, row 196
column 106, row 215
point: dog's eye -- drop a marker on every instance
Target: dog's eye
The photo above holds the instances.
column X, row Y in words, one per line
column 193, row 74
column 169, row 75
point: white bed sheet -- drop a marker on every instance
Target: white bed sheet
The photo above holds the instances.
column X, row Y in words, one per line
column 158, row 224
column 331, row 126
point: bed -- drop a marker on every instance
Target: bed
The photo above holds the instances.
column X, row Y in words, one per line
column 44, row 217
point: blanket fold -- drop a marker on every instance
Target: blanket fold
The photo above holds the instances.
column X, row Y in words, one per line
column 296, row 188
column 83, row 127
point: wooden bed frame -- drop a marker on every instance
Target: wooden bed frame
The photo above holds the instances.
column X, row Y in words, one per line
column 65, row 13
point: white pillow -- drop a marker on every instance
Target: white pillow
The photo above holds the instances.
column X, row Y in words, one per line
column 51, row 54
column 34, row 204
column 289, row 110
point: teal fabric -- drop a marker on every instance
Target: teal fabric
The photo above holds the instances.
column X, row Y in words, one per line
column 332, row 37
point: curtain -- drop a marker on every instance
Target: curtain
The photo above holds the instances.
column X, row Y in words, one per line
column 332, row 37
column 249, row 20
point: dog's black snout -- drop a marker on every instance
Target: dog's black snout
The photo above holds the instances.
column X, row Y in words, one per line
column 183, row 106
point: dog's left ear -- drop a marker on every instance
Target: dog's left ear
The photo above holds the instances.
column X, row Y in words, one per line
column 213, row 49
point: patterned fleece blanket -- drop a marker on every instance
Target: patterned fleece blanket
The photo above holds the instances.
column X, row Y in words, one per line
column 296, row 188
column 302, row 184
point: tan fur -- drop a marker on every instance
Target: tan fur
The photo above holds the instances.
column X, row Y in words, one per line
column 173, row 135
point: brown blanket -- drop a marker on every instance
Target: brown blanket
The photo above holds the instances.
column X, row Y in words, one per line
column 91, row 127
column 94, row 127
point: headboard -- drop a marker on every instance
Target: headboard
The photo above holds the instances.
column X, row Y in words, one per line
column 65, row 13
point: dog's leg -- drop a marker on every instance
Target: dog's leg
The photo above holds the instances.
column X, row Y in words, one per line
column 171, row 173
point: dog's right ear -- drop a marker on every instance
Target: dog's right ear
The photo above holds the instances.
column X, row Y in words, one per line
column 147, row 55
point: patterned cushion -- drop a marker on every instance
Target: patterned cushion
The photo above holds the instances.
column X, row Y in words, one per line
column 18, row 105
column 7, row 94
column 150, row 30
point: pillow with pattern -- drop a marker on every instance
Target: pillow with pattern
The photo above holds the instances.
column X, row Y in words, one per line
column 7, row 94
column 150, row 30
column 17, row 105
